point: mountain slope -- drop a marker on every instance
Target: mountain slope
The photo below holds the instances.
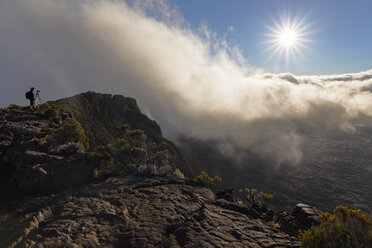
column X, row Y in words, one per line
column 102, row 116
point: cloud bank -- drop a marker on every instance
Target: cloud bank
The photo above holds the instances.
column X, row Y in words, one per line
column 192, row 82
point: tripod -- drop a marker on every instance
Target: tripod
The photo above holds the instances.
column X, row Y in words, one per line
column 39, row 98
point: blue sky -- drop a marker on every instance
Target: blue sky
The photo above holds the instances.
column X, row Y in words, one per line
column 64, row 47
column 341, row 31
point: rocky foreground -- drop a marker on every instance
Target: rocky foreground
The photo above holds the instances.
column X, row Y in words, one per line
column 137, row 211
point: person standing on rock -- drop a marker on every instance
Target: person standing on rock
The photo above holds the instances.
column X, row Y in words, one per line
column 30, row 95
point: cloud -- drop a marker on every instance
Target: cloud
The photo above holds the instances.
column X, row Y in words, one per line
column 349, row 77
column 193, row 84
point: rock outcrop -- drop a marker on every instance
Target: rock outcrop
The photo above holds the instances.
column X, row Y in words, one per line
column 137, row 211
column 28, row 161
column 102, row 115
column 303, row 217
column 39, row 150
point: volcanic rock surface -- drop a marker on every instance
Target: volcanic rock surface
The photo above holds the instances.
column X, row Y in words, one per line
column 137, row 211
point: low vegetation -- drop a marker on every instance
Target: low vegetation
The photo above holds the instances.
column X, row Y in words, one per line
column 345, row 228
column 50, row 110
column 208, row 181
column 266, row 198
column 134, row 152
column 72, row 131
column 17, row 107
column 255, row 198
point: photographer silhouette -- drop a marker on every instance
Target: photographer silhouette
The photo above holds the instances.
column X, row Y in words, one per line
column 30, row 95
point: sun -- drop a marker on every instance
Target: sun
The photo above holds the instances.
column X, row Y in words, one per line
column 289, row 37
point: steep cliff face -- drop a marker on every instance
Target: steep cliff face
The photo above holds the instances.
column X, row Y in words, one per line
column 102, row 116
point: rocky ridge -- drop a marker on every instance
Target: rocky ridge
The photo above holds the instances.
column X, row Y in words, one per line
column 40, row 148
column 29, row 163
column 101, row 115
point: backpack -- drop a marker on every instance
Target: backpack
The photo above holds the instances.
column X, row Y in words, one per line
column 29, row 95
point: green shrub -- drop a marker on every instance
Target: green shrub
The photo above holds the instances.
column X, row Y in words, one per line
column 50, row 110
column 137, row 137
column 102, row 155
column 346, row 228
column 104, row 161
column 133, row 152
column 208, row 181
column 255, row 198
column 51, row 113
column 161, row 157
column 138, row 152
column 15, row 107
column 122, row 144
column 163, row 144
column 266, row 198
column 72, row 131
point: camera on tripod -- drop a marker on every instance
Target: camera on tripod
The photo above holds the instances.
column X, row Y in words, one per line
column 38, row 95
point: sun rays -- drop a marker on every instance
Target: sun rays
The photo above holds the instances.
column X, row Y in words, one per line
column 288, row 38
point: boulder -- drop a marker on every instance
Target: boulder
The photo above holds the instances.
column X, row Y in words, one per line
column 287, row 222
column 306, row 215
column 27, row 163
column 303, row 217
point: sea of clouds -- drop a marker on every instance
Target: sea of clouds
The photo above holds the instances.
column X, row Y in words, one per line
column 190, row 81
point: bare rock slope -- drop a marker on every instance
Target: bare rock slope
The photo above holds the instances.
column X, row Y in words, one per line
column 137, row 211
